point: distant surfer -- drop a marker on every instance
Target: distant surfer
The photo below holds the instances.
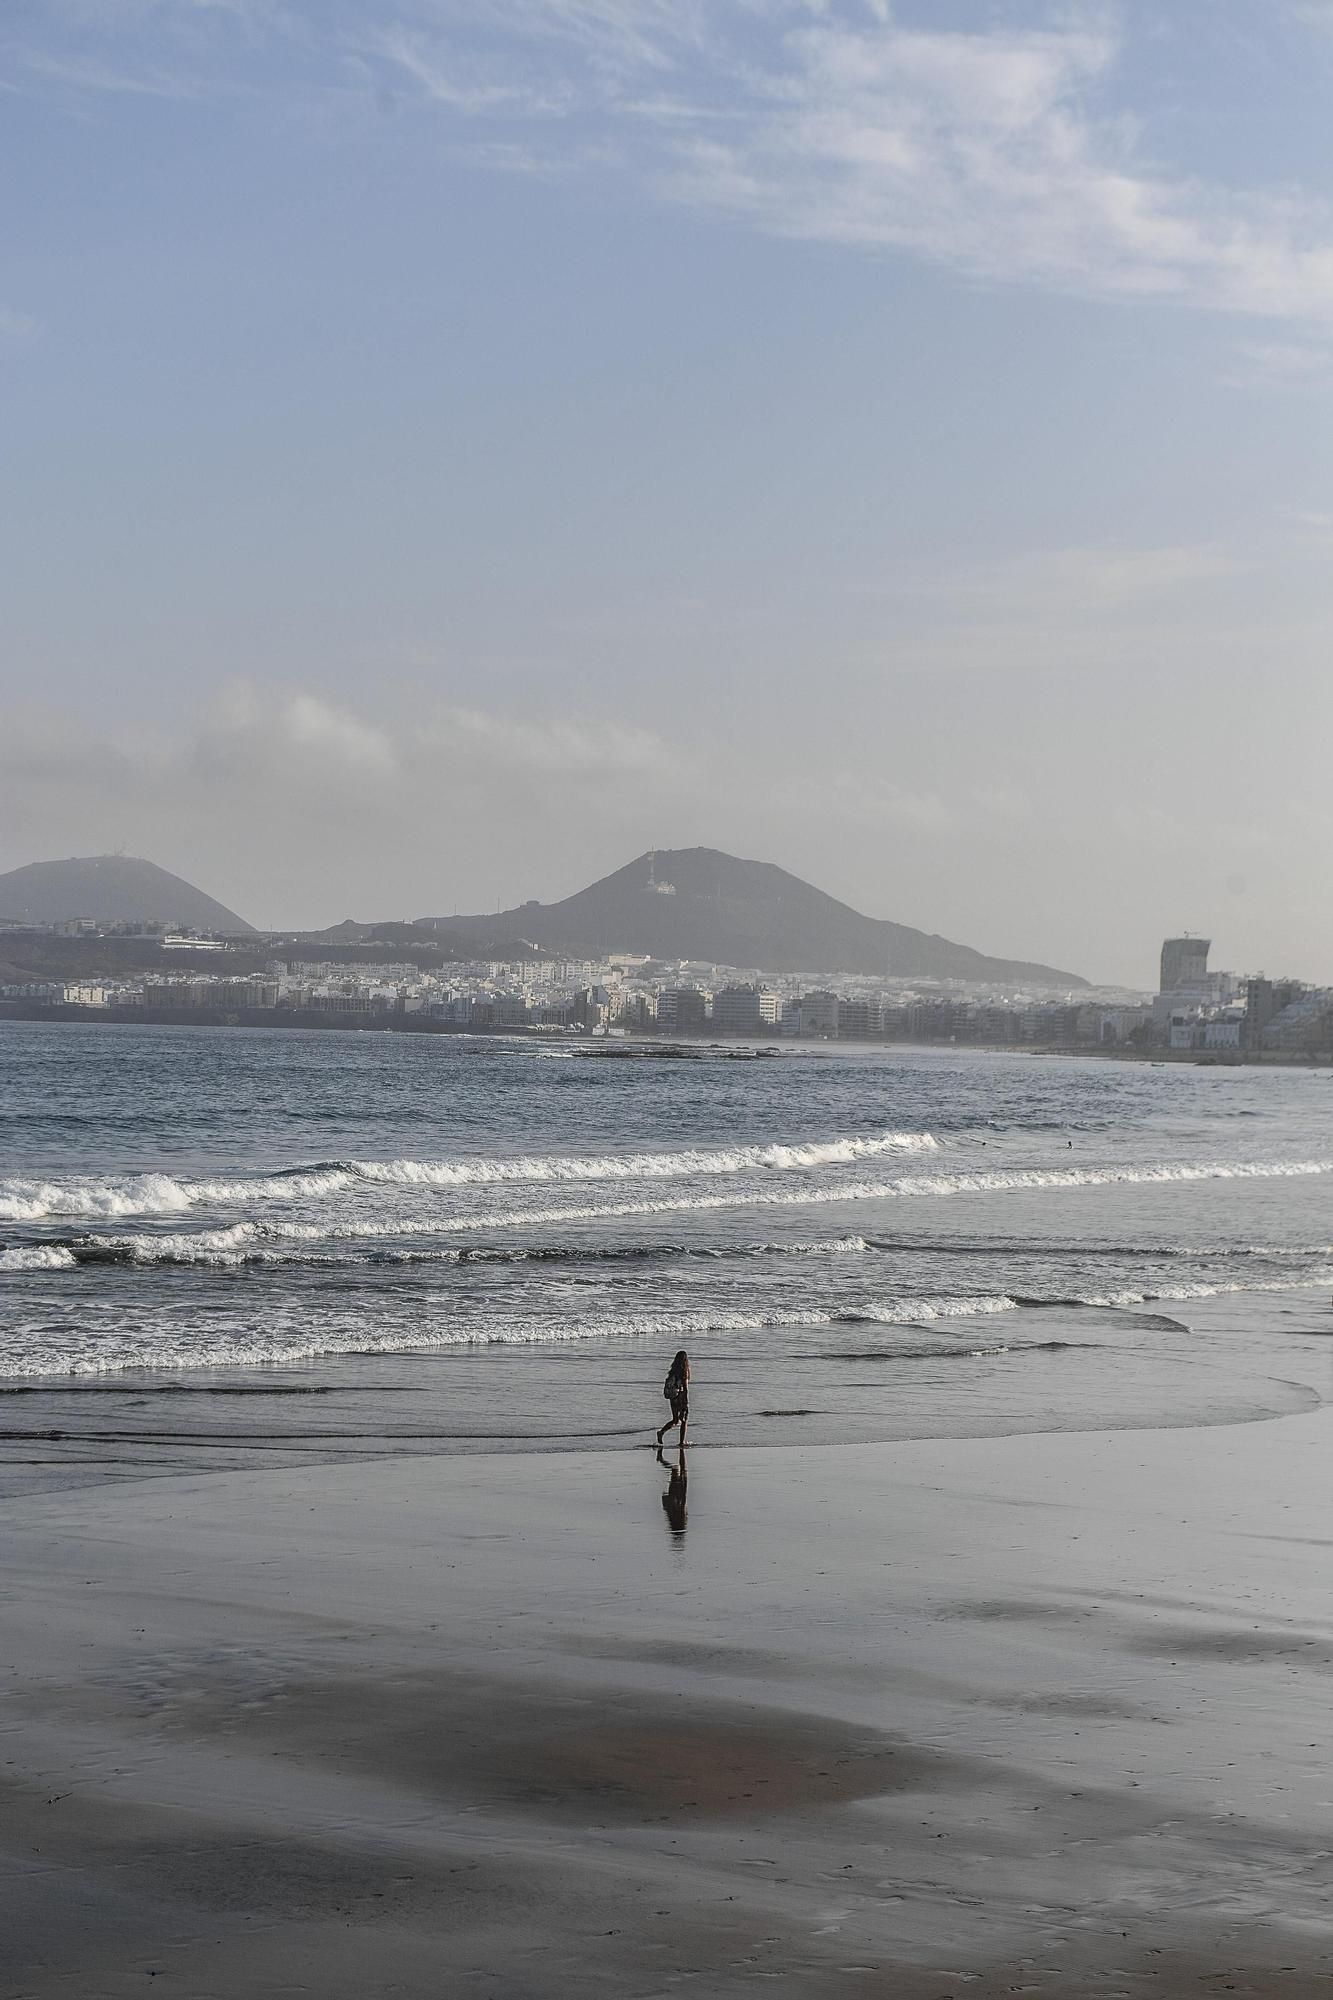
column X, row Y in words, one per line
column 676, row 1389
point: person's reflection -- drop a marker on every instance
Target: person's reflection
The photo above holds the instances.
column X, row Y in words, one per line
column 674, row 1499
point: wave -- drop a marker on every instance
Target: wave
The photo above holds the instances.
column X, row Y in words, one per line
column 187, row 1350
column 167, row 1194
column 228, row 1248
column 897, row 1312
column 259, row 1243
column 954, row 1353
column 642, row 1166
column 194, row 1348
column 37, row 1257
column 1017, row 1181
column 147, row 1195
column 1024, row 1246
column 1127, row 1299
column 139, row 1194
column 255, row 1237
column 265, row 1243
column 633, row 1253
column 1311, row 1281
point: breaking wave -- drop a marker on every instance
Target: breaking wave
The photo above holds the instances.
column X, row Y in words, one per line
column 262, row 1243
column 763, row 1196
column 37, row 1257
column 999, row 1246
column 182, row 1346
column 180, row 1350
column 258, row 1239
column 167, row 1194
column 642, row 1166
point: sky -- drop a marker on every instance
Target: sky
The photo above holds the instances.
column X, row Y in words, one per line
column 451, row 446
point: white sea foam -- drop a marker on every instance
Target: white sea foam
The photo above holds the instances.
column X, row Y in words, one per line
column 193, row 1348
column 135, row 1194
column 897, row 1311
column 163, row 1194
column 166, row 1194
column 215, row 1243
column 185, row 1349
column 762, row 1196
column 1310, row 1281
column 239, row 1242
column 36, row 1257
column 275, row 1242
column 829, row 1246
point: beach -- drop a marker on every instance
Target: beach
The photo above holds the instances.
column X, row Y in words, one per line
column 359, row 1644
column 942, row 1717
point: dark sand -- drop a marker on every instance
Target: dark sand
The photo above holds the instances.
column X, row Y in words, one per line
column 1040, row 1715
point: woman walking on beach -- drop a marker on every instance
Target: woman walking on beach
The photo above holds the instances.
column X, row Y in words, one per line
column 676, row 1389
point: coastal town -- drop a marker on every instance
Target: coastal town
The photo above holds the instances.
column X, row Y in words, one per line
column 1196, row 1013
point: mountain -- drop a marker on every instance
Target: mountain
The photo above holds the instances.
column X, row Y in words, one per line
column 110, row 888
column 694, row 902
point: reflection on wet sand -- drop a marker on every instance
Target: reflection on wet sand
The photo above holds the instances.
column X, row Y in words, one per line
column 674, row 1500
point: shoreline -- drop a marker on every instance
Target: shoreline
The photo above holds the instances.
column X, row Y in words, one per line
column 693, row 1047
column 940, row 1718
column 1243, row 1356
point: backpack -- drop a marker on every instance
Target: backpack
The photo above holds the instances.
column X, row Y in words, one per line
column 673, row 1385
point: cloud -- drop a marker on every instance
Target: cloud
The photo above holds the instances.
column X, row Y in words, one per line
column 618, row 38
column 1281, row 364
column 301, row 797
column 467, row 86
column 982, row 150
column 38, row 746
column 1262, row 592
column 877, row 803
column 591, row 752
column 1090, row 581
column 253, row 743
column 1068, row 590
column 962, row 812
column 1315, row 525
column 297, row 737
column 86, row 73
column 1010, row 152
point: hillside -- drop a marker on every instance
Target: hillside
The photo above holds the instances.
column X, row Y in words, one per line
column 110, row 888
column 697, row 903
column 423, row 943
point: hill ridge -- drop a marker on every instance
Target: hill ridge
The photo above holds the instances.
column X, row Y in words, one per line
column 701, row 903
column 110, row 888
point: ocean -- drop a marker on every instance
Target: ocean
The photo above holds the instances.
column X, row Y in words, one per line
column 221, row 1247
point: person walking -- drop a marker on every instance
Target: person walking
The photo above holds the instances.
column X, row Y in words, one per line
column 676, row 1389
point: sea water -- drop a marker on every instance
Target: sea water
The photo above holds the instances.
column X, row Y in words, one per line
column 222, row 1246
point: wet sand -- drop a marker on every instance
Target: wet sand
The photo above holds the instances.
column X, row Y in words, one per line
column 1039, row 1715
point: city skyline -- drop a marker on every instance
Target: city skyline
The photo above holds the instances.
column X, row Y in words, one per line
column 456, row 447
column 138, row 975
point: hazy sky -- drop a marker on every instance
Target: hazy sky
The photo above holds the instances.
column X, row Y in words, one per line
column 452, row 445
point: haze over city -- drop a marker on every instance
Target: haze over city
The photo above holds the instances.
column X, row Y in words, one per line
column 452, row 449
